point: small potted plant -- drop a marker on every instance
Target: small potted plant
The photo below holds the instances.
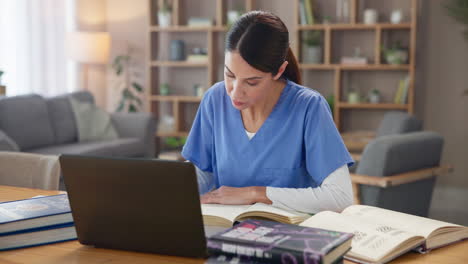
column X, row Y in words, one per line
column 164, row 14
column 396, row 55
column 374, row 96
column 313, row 49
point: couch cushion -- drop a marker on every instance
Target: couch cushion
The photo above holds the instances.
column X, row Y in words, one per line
column 62, row 117
column 6, row 143
column 92, row 122
column 124, row 147
column 26, row 120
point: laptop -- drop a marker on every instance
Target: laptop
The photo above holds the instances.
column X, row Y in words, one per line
column 145, row 205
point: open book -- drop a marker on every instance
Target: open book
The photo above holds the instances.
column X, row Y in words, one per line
column 226, row 215
column 381, row 235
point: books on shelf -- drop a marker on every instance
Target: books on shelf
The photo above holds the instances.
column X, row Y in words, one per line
column 401, row 94
column 199, row 22
column 38, row 236
column 270, row 242
column 381, row 235
column 354, row 60
column 227, row 215
column 35, row 221
column 34, row 213
column 197, row 58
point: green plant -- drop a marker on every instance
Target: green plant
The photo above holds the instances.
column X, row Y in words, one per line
column 458, row 10
column 174, row 142
column 331, row 102
column 165, row 7
column 312, row 38
column 130, row 90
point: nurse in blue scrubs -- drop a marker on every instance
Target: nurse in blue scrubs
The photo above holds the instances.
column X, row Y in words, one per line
column 260, row 136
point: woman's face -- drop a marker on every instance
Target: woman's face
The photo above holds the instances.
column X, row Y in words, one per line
column 245, row 85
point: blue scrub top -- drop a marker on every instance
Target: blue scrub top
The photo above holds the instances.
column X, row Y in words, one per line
column 297, row 146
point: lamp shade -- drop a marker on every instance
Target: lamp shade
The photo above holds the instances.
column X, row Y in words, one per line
column 88, row 47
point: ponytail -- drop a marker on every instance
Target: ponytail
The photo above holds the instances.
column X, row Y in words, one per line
column 292, row 71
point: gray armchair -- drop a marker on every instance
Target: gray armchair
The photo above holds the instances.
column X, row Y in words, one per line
column 397, row 172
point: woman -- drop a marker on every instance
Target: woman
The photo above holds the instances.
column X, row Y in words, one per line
column 261, row 137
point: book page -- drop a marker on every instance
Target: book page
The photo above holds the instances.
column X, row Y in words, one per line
column 371, row 242
column 229, row 212
column 420, row 225
column 261, row 207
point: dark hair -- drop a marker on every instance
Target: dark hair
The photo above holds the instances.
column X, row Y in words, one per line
column 262, row 40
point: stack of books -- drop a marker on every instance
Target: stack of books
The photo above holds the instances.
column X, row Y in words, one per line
column 35, row 221
column 401, row 96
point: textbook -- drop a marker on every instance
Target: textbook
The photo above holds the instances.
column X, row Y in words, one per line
column 227, row 215
column 381, row 235
column 37, row 236
column 272, row 242
column 34, row 212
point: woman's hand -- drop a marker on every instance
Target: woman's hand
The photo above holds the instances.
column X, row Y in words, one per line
column 233, row 195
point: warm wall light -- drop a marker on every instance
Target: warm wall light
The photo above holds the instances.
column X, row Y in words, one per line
column 88, row 48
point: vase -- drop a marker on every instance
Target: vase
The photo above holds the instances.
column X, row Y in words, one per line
column 396, row 17
column 177, row 50
column 353, row 97
column 370, row 16
column 374, row 98
column 312, row 54
column 396, row 57
column 164, row 19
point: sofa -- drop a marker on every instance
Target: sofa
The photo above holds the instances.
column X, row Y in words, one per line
column 34, row 124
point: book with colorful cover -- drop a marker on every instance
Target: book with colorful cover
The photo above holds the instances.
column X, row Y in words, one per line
column 34, row 213
column 38, row 236
column 272, row 242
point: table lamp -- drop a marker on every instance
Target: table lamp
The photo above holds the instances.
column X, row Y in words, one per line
column 88, row 48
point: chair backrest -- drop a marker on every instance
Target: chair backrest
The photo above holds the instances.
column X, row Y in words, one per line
column 394, row 154
column 397, row 122
column 29, row 170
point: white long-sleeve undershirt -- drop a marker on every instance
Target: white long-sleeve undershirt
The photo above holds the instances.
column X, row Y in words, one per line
column 334, row 194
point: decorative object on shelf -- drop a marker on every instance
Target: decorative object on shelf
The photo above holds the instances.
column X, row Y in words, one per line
column 2, row 87
column 396, row 17
column 198, row 55
column 232, row 16
column 199, row 22
column 164, row 89
column 131, row 91
column 353, row 96
column 357, row 58
column 342, row 11
column 331, row 102
column 396, row 55
column 177, row 52
column 326, row 20
column 374, row 96
column 198, row 90
column 370, row 16
column 313, row 49
column 166, row 124
column 164, row 14
column 458, row 10
column 175, row 142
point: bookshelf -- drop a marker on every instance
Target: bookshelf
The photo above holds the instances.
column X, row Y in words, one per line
column 183, row 100
column 330, row 30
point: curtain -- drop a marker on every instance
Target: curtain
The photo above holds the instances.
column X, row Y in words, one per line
column 32, row 46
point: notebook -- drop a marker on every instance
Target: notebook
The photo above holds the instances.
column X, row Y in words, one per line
column 145, row 205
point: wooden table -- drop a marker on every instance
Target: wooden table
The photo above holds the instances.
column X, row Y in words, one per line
column 73, row 252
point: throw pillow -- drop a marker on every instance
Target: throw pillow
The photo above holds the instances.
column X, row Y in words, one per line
column 7, row 144
column 92, row 122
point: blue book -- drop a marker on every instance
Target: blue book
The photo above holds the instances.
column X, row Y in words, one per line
column 38, row 236
column 271, row 242
column 16, row 216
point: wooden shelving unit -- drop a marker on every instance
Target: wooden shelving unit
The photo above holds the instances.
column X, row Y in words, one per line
column 377, row 65
column 329, row 31
column 179, row 102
